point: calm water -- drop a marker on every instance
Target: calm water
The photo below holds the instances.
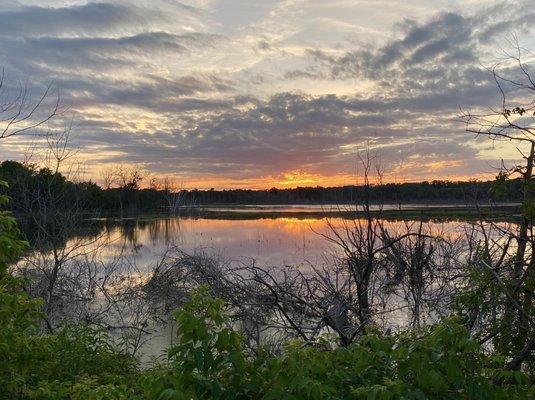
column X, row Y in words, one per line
column 275, row 241
column 269, row 241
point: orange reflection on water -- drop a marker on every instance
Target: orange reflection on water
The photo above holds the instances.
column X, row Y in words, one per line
column 269, row 241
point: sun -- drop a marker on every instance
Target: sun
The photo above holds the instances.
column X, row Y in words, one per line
column 299, row 178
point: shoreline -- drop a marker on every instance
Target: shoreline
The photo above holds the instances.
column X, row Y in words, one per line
column 509, row 212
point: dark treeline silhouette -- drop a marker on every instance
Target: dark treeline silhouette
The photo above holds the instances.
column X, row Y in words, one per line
column 419, row 192
column 29, row 184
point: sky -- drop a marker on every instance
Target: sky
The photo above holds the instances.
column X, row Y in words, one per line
column 256, row 94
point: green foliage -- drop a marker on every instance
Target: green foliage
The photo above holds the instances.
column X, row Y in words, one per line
column 528, row 204
column 441, row 362
column 85, row 388
column 499, row 188
column 10, row 246
column 484, row 301
column 50, row 366
column 208, row 362
column 38, row 366
column 17, row 312
column 45, row 366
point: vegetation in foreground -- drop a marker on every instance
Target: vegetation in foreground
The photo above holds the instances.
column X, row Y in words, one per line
column 210, row 360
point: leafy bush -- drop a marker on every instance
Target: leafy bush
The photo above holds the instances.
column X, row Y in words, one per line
column 35, row 365
column 209, row 361
column 441, row 362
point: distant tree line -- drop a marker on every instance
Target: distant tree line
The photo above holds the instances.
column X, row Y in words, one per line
column 433, row 191
column 29, row 183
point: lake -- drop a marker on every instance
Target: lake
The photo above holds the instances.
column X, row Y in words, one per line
column 269, row 241
column 123, row 252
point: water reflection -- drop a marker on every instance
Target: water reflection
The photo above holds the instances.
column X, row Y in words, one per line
column 127, row 252
column 269, row 241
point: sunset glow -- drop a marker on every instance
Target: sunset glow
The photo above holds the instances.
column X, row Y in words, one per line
column 275, row 93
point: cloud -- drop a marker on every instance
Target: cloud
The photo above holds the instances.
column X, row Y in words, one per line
column 85, row 19
column 88, row 20
column 182, row 90
column 447, row 40
column 287, row 131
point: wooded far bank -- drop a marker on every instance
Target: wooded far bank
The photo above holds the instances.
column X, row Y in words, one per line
column 27, row 184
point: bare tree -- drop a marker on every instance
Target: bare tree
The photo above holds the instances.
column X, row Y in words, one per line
column 52, row 211
column 128, row 179
column 174, row 195
column 72, row 266
column 20, row 113
column 108, row 178
column 125, row 180
column 67, row 266
column 505, row 256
